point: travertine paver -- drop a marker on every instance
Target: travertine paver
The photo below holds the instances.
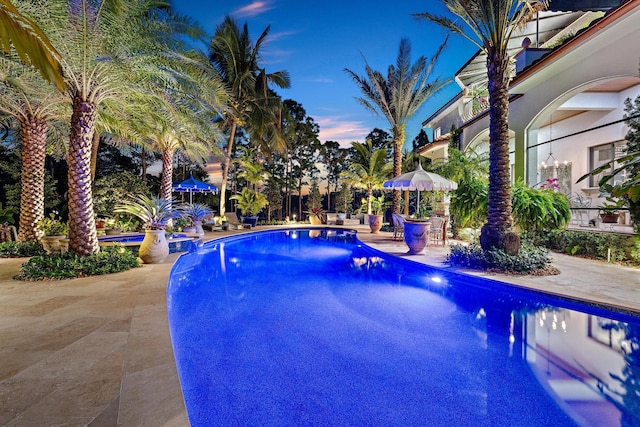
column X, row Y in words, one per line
column 96, row 351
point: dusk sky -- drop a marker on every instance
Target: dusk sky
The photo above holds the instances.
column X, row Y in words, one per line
column 316, row 40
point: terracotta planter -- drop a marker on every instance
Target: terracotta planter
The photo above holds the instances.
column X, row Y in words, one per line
column 609, row 218
column 154, row 248
column 375, row 223
column 416, row 235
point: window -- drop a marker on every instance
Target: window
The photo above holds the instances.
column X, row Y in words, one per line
column 602, row 154
column 562, row 173
column 437, row 132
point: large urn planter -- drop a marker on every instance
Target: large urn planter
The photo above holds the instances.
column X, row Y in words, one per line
column 198, row 228
column 315, row 220
column 54, row 244
column 154, row 248
column 251, row 220
column 375, row 223
column 416, row 235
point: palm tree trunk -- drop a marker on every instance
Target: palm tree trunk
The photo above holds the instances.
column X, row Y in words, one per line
column 369, row 196
column 34, row 139
column 398, row 142
column 225, row 168
column 95, row 146
column 83, row 238
column 167, row 172
column 496, row 232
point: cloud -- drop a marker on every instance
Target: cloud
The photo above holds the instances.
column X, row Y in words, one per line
column 343, row 131
column 253, row 9
column 281, row 35
column 320, row 80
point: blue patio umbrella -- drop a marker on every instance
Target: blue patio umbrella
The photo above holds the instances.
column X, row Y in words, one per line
column 192, row 185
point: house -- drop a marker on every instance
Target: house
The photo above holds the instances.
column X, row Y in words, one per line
column 573, row 71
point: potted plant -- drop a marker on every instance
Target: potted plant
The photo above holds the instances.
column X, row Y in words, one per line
column 316, row 216
column 610, row 211
column 54, row 239
column 196, row 212
column 378, row 206
column 343, row 202
column 184, row 224
column 111, row 227
column 155, row 213
column 250, row 204
column 416, row 229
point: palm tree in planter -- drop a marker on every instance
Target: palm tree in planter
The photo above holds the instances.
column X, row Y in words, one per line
column 368, row 171
column 155, row 213
column 196, row 213
column 250, row 204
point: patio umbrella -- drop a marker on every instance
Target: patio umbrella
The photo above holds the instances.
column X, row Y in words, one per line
column 420, row 180
column 192, row 185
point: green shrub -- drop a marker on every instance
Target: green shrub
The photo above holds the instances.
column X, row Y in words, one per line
column 529, row 259
column 618, row 247
column 69, row 265
column 21, row 249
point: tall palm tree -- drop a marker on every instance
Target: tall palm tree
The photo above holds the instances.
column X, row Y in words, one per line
column 368, row 170
column 107, row 47
column 32, row 103
column 491, row 24
column 398, row 96
column 251, row 103
column 29, row 42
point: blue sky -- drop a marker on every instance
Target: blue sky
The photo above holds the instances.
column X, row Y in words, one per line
column 316, row 40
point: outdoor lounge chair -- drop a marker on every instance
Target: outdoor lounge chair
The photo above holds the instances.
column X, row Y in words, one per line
column 233, row 222
column 398, row 226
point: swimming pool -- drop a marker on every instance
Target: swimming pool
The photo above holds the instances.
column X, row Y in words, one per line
column 312, row 327
column 177, row 242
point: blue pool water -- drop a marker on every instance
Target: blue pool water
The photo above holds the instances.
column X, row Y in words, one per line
column 312, row 327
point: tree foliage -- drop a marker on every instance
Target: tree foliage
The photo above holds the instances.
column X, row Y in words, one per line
column 397, row 96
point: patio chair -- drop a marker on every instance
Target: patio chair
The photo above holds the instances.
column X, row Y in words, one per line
column 398, row 226
column 233, row 222
column 437, row 230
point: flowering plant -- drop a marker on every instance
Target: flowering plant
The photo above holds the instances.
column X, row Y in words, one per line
column 550, row 184
column 52, row 226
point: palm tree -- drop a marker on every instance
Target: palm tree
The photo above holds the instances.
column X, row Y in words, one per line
column 399, row 96
column 492, row 23
column 369, row 169
column 29, row 42
column 108, row 48
column 251, row 103
column 32, row 103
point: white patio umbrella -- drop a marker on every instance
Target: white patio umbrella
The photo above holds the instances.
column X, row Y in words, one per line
column 420, row 180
